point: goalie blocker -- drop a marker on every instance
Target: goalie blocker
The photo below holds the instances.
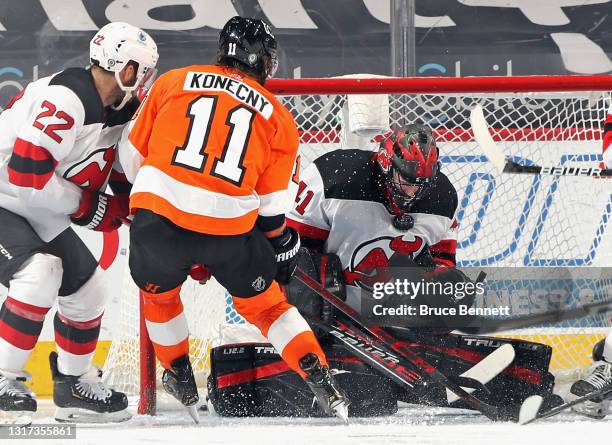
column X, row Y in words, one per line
column 250, row 379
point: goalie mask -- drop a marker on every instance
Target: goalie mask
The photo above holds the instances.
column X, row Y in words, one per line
column 250, row 42
column 115, row 45
column 409, row 162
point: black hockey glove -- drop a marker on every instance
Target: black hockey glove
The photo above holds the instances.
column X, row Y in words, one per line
column 286, row 247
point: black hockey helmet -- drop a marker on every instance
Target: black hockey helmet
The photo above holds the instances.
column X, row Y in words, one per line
column 251, row 43
column 409, row 162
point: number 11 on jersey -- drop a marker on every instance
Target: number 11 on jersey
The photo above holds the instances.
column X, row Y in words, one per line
column 192, row 154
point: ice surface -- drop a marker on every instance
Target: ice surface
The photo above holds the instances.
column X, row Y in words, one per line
column 411, row 425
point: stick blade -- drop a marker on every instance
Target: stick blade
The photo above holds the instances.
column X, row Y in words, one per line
column 485, row 140
column 529, row 409
column 486, row 369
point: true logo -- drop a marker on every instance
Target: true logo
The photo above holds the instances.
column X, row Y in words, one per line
column 265, row 350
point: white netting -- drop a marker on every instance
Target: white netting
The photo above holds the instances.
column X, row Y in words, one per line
column 505, row 220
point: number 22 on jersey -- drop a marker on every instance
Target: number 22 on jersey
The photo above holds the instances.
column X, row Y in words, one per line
column 193, row 155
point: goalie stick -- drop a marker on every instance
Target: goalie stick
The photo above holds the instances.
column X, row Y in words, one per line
column 505, row 165
column 401, row 363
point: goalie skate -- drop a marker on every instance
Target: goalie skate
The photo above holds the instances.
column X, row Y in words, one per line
column 85, row 398
column 17, row 403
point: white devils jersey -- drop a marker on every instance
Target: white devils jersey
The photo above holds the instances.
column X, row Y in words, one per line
column 56, row 138
column 340, row 209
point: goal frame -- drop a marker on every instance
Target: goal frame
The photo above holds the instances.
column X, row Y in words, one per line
column 384, row 85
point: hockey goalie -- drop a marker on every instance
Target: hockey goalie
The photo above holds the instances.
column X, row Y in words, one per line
column 360, row 212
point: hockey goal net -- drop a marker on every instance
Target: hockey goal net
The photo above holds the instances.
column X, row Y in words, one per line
column 504, row 220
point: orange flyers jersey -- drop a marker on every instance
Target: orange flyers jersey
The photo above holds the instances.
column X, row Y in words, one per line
column 211, row 149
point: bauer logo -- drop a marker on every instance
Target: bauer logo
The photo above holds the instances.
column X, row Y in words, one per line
column 571, row 171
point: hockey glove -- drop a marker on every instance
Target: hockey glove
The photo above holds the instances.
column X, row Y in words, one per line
column 101, row 212
column 286, row 247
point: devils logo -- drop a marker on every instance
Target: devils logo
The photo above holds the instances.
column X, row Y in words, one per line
column 92, row 172
column 370, row 260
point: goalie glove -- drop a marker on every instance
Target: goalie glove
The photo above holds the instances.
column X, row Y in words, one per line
column 325, row 268
column 101, row 212
column 286, row 247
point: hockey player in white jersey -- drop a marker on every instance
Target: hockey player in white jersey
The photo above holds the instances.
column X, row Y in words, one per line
column 600, row 374
column 57, row 150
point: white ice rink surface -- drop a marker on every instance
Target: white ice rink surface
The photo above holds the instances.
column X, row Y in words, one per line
column 411, row 425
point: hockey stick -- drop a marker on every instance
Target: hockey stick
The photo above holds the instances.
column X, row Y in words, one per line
column 604, row 392
column 388, row 362
column 504, row 165
column 489, row 326
column 406, row 360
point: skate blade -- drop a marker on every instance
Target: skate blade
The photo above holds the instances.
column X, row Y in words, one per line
column 341, row 411
column 79, row 415
column 529, row 409
column 16, row 418
column 193, row 413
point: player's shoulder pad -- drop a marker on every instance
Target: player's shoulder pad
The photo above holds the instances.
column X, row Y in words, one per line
column 347, row 174
column 80, row 81
column 441, row 200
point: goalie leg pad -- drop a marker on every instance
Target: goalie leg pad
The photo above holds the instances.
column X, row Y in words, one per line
column 252, row 380
column 454, row 354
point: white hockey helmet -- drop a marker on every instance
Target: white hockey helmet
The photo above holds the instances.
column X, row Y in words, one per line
column 116, row 44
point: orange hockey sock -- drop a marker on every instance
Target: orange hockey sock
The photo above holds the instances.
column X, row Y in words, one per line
column 166, row 325
column 281, row 324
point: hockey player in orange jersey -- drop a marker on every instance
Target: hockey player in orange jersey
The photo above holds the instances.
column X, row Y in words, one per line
column 214, row 161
